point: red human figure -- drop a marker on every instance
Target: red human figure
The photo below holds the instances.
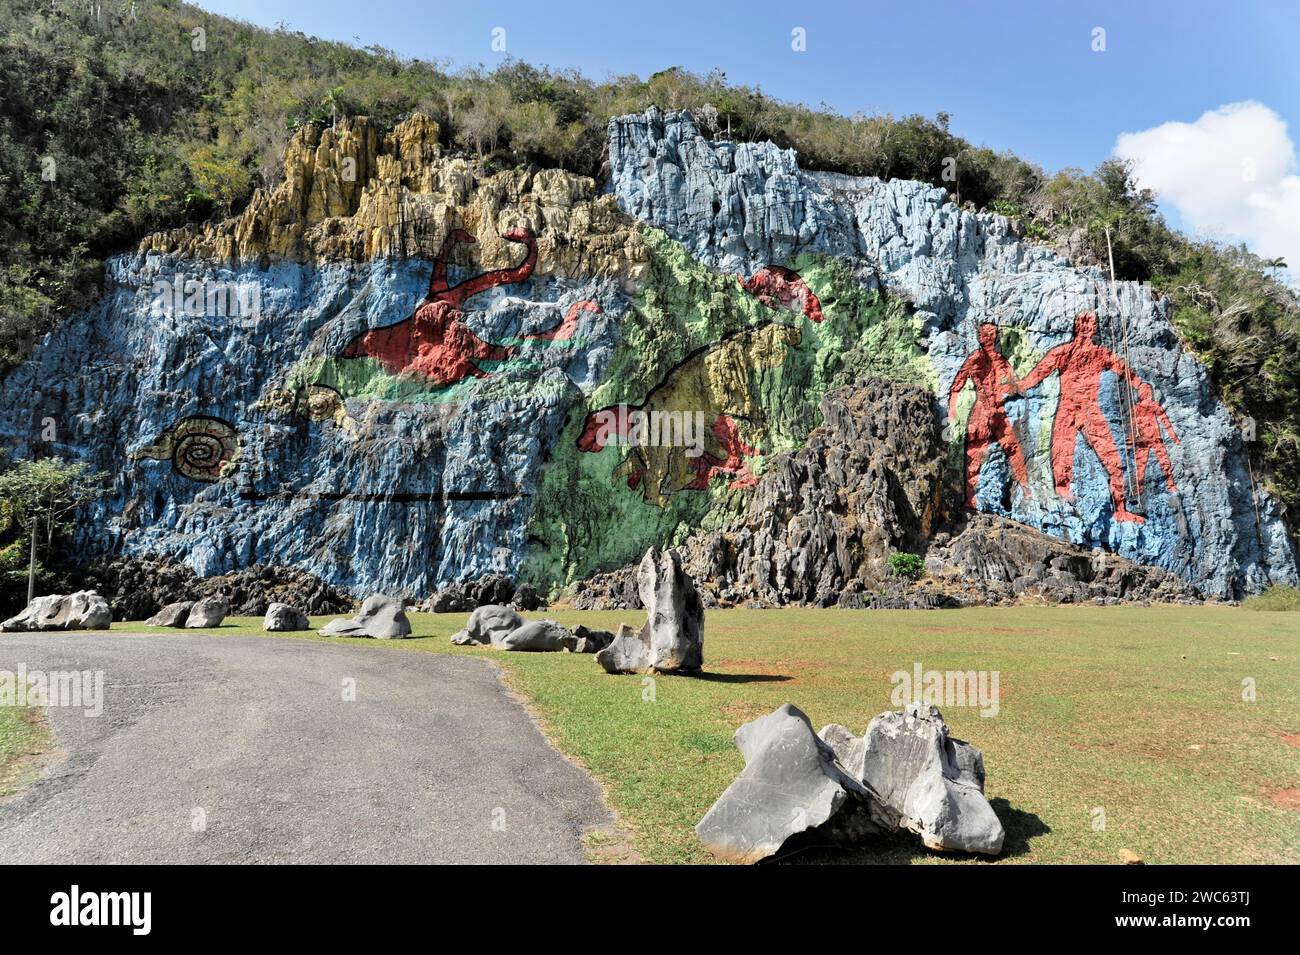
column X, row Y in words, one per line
column 436, row 341
column 778, row 287
column 1148, row 418
column 1081, row 362
column 995, row 381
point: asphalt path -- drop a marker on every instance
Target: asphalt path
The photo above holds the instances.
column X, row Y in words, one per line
column 213, row 749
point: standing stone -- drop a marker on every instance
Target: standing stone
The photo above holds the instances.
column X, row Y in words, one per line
column 208, row 612
column 83, row 610
column 281, row 618
column 381, row 617
column 172, row 615
column 672, row 640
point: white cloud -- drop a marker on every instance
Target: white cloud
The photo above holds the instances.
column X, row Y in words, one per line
column 1231, row 175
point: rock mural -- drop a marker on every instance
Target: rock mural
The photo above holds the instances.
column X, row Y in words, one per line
column 417, row 374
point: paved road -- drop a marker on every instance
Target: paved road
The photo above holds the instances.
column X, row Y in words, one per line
column 249, row 741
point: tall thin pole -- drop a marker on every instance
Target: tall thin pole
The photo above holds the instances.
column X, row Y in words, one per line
column 31, row 566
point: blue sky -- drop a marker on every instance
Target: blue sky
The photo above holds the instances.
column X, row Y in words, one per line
column 1013, row 75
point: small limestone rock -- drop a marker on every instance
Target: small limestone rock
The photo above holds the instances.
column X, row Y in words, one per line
column 381, row 617
column 208, row 612
column 1129, row 857
column 585, row 640
column 537, row 636
column 282, row 618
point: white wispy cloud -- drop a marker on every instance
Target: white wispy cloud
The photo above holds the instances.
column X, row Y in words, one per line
column 1230, row 175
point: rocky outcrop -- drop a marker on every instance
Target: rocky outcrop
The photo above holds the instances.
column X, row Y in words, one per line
column 906, row 773
column 281, row 618
column 352, row 192
column 83, row 610
column 994, row 560
column 672, row 639
column 495, row 589
column 823, row 520
column 381, row 617
column 139, row 587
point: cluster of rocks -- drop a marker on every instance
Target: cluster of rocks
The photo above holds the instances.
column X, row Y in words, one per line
column 83, row 610
column 504, row 629
column 381, row 617
column 670, row 641
column 192, row 614
column 495, row 590
column 905, row 773
column 139, row 587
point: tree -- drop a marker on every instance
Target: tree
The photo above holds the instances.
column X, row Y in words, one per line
column 48, row 490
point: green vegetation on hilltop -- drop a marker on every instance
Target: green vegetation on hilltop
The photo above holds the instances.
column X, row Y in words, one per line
column 149, row 124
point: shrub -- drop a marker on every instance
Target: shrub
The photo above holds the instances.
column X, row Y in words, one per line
column 1277, row 597
column 903, row 564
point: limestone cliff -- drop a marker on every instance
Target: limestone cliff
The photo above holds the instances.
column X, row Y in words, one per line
column 397, row 370
column 352, row 192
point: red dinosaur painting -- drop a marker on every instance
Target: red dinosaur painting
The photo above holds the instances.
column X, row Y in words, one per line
column 436, row 342
column 995, row 381
column 778, row 287
column 732, row 464
column 1081, row 363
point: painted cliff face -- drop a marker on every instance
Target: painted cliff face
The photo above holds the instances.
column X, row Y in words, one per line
column 541, row 379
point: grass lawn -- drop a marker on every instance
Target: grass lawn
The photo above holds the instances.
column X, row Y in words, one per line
column 1137, row 712
column 24, row 737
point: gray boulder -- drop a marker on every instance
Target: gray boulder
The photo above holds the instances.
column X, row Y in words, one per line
column 585, row 640
column 281, row 618
column 791, row 784
column 83, row 610
column 628, row 652
column 381, row 617
column 931, row 781
column 208, row 612
column 488, row 624
column 672, row 640
column 536, row 636
column 172, row 615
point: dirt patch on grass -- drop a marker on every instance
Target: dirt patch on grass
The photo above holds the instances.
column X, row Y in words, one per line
column 1286, row 798
column 1292, row 739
